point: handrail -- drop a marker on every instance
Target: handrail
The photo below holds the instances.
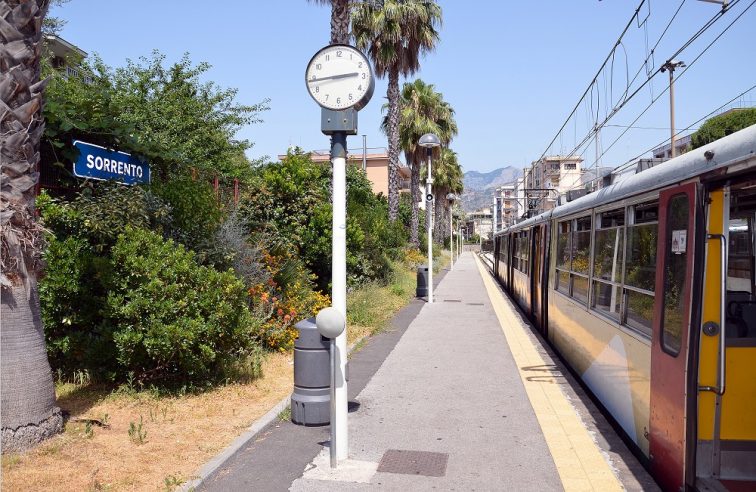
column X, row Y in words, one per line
column 720, row 389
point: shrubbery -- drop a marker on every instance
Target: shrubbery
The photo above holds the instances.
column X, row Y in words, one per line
column 291, row 201
column 118, row 299
column 172, row 318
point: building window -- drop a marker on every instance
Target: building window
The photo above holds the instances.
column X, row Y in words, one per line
column 570, row 167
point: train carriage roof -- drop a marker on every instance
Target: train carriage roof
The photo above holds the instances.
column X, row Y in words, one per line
column 727, row 151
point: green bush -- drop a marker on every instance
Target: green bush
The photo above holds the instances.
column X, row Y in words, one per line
column 174, row 319
column 292, row 203
column 119, row 300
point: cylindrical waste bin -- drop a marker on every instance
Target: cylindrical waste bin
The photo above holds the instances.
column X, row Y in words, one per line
column 310, row 401
column 422, row 281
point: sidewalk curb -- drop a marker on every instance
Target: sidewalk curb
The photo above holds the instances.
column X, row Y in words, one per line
column 209, row 468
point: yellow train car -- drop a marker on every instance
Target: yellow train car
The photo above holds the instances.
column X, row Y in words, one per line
column 647, row 289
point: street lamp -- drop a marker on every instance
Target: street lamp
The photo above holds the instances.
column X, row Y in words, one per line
column 670, row 67
column 451, row 197
column 429, row 141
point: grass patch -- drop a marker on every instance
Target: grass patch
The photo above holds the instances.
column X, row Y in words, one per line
column 285, row 414
column 371, row 307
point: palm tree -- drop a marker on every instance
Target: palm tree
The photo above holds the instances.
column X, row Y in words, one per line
column 395, row 35
column 339, row 20
column 422, row 110
column 27, row 393
column 447, row 178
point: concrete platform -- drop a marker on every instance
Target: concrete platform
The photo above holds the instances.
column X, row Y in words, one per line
column 468, row 399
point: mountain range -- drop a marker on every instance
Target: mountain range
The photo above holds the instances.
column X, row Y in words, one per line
column 479, row 187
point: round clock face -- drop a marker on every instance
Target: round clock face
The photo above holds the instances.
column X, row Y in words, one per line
column 339, row 77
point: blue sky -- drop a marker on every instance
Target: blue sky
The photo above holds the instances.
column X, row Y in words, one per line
column 512, row 70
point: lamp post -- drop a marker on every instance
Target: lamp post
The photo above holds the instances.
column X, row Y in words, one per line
column 670, row 67
column 429, row 141
column 451, row 197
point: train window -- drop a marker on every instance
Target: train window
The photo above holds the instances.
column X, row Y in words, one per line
column 580, row 258
column 580, row 288
column 640, row 266
column 675, row 274
column 640, row 269
column 608, row 256
column 525, row 253
column 562, row 275
column 740, row 255
column 606, row 299
column 639, row 311
column 563, row 282
column 563, row 246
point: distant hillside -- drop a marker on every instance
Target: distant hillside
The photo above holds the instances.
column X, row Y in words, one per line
column 479, row 187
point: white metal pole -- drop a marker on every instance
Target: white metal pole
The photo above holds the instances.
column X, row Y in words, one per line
column 451, row 236
column 338, row 293
column 429, row 215
column 672, row 151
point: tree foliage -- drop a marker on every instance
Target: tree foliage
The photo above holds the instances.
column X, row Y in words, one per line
column 163, row 113
column 723, row 125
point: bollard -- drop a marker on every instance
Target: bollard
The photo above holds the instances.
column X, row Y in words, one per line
column 311, row 400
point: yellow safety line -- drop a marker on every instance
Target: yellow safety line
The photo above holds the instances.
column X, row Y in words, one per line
column 576, row 455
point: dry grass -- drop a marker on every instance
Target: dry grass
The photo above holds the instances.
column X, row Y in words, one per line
column 182, row 433
column 178, row 434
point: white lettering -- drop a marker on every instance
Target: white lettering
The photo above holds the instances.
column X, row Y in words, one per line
column 139, row 171
column 90, row 161
column 120, row 167
column 98, row 163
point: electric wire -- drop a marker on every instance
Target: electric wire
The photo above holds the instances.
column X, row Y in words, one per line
column 591, row 135
column 634, row 160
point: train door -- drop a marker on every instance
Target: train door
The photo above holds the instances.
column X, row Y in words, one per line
column 669, row 343
column 726, row 427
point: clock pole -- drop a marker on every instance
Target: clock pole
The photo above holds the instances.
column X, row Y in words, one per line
column 340, row 79
column 339, row 428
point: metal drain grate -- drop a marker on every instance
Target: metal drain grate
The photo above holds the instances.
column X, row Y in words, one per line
column 452, row 300
column 423, row 463
column 475, row 304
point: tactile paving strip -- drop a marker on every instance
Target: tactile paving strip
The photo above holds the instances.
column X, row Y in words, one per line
column 424, row 463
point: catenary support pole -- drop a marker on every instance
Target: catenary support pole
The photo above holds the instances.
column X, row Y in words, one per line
column 339, row 436
column 672, row 150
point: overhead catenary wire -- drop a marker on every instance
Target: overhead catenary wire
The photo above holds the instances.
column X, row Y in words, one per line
column 592, row 134
column 632, row 161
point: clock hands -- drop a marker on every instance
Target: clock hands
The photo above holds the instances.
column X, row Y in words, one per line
column 334, row 77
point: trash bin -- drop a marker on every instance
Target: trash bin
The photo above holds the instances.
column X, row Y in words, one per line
column 422, row 281
column 311, row 399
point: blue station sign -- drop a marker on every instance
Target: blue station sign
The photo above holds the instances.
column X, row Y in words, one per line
column 95, row 162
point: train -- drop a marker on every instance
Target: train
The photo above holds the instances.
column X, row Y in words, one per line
column 647, row 290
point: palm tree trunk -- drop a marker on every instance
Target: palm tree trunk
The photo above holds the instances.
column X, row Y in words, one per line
column 416, row 197
column 27, row 394
column 393, row 150
column 340, row 21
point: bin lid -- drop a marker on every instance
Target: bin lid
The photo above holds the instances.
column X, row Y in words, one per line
column 309, row 336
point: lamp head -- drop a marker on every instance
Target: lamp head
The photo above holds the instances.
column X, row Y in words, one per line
column 429, row 140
